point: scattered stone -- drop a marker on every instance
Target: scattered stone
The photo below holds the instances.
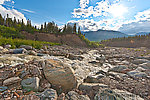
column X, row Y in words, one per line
column 18, row 51
column 74, row 57
column 136, row 74
column 1, row 48
column 11, row 81
column 3, row 88
column 94, row 79
column 60, row 75
column 107, row 94
column 31, row 97
column 139, row 61
column 32, row 53
column 145, row 65
column 27, row 47
column 119, row 69
column 7, row 46
column 30, row 84
column 48, row 94
column 72, row 95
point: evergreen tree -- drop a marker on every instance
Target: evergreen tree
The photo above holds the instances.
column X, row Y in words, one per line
column 1, row 20
column 79, row 31
column 41, row 30
column 45, row 27
column 64, row 29
column 69, row 29
column 74, row 28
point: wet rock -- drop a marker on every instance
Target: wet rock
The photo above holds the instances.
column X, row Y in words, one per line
column 60, row 75
column 108, row 94
column 139, row 61
column 72, row 95
column 3, row 88
column 27, row 47
column 30, row 84
column 136, row 74
column 11, row 81
column 48, row 94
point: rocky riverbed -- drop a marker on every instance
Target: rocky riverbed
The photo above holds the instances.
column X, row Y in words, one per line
column 67, row 73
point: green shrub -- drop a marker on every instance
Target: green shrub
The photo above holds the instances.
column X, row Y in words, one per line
column 18, row 42
column 92, row 44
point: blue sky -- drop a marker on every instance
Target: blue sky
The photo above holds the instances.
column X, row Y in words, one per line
column 128, row 16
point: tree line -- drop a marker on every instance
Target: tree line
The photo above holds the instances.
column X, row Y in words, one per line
column 50, row 27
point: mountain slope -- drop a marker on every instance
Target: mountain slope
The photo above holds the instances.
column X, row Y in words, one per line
column 142, row 33
column 103, row 35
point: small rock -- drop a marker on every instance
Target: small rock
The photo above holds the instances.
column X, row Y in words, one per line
column 32, row 53
column 27, row 47
column 136, row 74
column 119, row 68
column 7, row 46
column 107, row 94
column 72, row 95
column 145, row 65
column 139, row 61
column 11, row 80
column 48, row 94
column 31, row 97
column 18, row 51
column 1, row 48
column 3, row 88
column 30, row 84
column 94, row 79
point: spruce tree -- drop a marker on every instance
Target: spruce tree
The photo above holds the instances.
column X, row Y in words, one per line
column 74, row 28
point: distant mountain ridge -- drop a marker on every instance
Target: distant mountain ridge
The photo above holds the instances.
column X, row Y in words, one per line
column 142, row 33
column 103, row 35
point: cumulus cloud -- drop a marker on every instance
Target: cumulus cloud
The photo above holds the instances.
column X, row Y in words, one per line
column 110, row 14
column 2, row 1
column 84, row 3
column 141, row 23
column 12, row 12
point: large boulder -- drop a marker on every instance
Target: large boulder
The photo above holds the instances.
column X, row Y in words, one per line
column 60, row 75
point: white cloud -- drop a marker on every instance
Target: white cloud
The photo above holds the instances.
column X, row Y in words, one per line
column 2, row 1
column 141, row 23
column 11, row 12
column 110, row 15
column 28, row 10
column 84, row 3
